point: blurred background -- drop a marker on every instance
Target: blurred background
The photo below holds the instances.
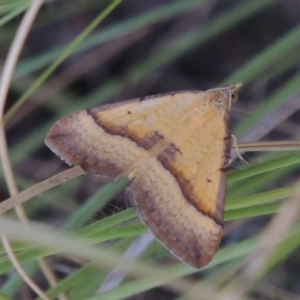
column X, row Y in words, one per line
column 149, row 47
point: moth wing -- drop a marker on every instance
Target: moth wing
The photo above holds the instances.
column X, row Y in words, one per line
column 109, row 140
column 180, row 192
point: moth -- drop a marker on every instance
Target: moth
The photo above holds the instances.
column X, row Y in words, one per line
column 174, row 147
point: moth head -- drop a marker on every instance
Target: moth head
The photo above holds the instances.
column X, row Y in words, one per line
column 222, row 98
column 217, row 100
column 232, row 92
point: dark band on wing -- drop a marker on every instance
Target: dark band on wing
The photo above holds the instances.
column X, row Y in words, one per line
column 166, row 158
column 145, row 143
